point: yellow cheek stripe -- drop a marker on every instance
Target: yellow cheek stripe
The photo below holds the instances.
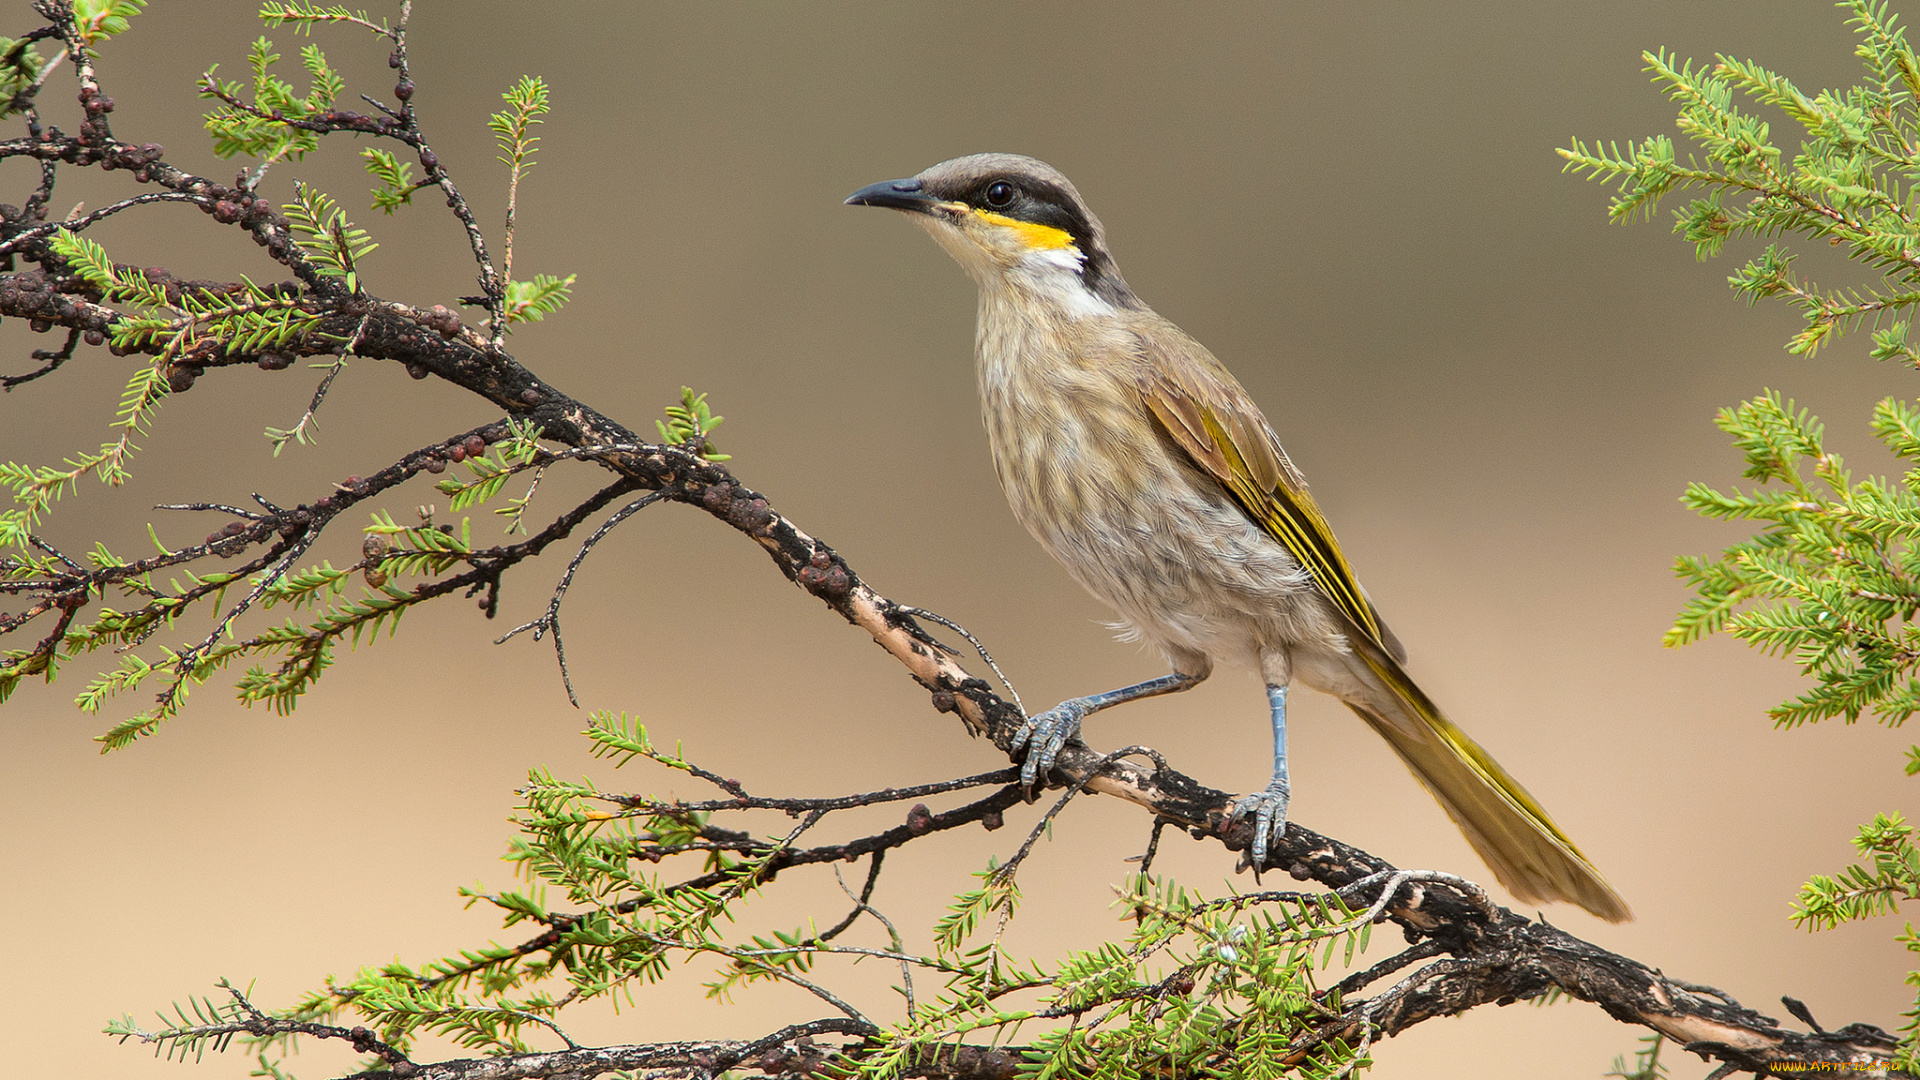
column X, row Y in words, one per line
column 1030, row 233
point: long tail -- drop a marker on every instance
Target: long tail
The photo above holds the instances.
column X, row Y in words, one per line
column 1526, row 850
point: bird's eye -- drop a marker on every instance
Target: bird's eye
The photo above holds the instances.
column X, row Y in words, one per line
column 1000, row 194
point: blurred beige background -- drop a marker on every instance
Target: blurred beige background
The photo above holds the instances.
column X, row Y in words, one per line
column 1497, row 396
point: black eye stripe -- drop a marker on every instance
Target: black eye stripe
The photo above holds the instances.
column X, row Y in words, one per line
column 1039, row 196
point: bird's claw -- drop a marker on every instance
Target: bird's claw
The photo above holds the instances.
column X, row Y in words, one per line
column 1043, row 736
column 1269, row 811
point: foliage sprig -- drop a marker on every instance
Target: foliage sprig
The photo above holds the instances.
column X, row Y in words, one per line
column 1831, row 577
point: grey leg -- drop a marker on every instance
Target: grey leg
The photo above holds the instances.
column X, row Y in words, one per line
column 1269, row 807
column 1046, row 733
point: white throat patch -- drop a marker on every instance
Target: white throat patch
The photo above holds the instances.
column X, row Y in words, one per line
column 1055, row 276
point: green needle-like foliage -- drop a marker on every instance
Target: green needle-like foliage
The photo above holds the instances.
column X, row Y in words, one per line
column 533, row 300
column 334, row 244
column 1199, row 987
column 513, row 129
column 303, row 15
column 250, row 123
column 689, row 421
column 395, row 176
column 1831, row 576
column 1849, row 184
column 98, row 19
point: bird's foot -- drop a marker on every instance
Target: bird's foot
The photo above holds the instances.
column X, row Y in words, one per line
column 1269, row 811
column 1044, row 735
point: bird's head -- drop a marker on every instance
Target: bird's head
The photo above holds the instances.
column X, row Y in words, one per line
column 1008, row 219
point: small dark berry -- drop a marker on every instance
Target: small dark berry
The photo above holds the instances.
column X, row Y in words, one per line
column 417, row 371
column 475, row 446
column 226, row 213
column 429, row 160
column 324, row 502
column 233, row 528
column 436, row 466
column 105, row 103
column 180, row 379
column 404, row 90
column 352, row 481
column 114, row 348
column 531, row 396
column 94, row 337
column 919, row 819
column 457, row 454
column 142, row 174
column 152, row 151
column 992, row 820
column 1300, row 871
column 393, row 59
column 39, row 326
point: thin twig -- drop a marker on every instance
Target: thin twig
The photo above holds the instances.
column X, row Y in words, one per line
column 742, row 801
column 53, row 360
column 1006, row 872
column 550, row 622
column 863, row 903
column 923, row 613
column 1145, row 859
column 27, row 236
column 1360, row 980
column 221, row 507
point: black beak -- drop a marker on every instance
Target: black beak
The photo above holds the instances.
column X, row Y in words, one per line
column 898, row 194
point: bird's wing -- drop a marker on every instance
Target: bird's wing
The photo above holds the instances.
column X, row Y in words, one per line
column 1209, row 417
column 1212, row 419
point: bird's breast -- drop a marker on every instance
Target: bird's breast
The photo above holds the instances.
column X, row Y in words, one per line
column 1089, row 473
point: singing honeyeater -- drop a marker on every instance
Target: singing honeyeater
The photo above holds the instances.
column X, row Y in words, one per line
column 1137, row 460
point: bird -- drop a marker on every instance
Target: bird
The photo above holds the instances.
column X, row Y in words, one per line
column 1138, row 461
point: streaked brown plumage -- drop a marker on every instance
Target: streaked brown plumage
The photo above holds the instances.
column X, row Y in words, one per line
column 1138, row 461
